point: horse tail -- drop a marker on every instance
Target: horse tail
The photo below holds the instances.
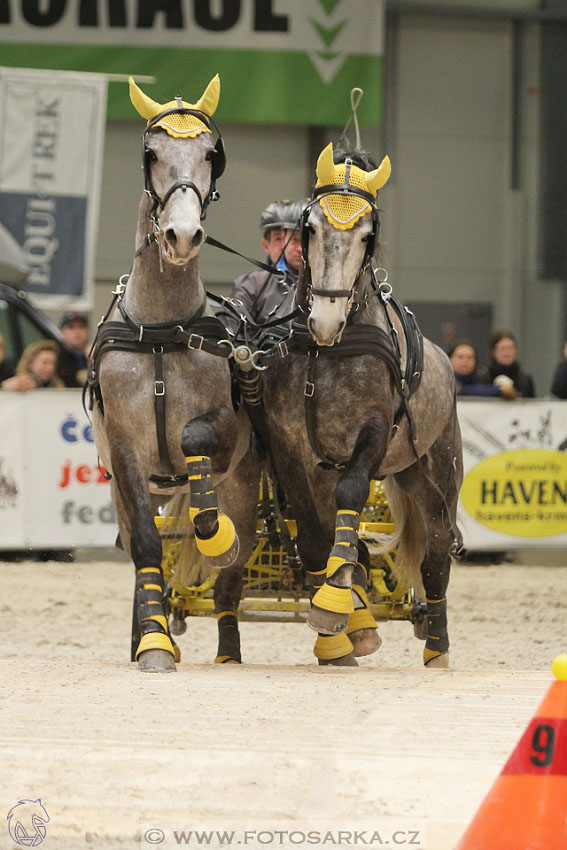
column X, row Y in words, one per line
column 190, row 566
column 409, row 538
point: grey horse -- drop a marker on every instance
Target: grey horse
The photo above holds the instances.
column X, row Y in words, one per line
column 339, row 413
column 164, row 423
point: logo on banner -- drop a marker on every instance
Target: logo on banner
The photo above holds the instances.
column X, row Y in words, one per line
column 8, row 487
column 522, row 492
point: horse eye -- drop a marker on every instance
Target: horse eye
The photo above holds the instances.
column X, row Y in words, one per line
column 209, row 156
column 152, row 156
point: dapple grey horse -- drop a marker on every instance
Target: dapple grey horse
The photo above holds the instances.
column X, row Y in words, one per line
column 164, row 419
column 358, row 398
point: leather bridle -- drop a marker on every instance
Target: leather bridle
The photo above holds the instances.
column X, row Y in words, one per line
column 319, row 193
column 217, row 157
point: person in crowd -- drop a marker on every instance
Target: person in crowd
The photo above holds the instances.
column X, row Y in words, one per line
column 72, row 361
column 463, row 357
column 504, row 368
column 261, row 295
column 559, row 382
column 36, row 368
column 6, row 368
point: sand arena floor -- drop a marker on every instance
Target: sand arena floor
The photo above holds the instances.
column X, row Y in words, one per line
column 276, row 741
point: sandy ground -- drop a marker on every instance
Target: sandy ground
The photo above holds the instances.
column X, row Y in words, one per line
column 277, row 741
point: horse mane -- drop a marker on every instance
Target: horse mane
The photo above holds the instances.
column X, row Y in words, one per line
column 360, row 157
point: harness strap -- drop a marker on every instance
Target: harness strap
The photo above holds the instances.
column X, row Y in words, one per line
column 159, row 405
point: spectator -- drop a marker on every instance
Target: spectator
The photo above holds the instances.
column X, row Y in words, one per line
column 504, row 368
column 6, row 368
column 72, row 362
column 36, row 368
column 559, row 383
column 263, row 296
column 463, row 359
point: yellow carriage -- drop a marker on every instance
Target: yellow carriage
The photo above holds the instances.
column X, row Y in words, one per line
column 275, row 586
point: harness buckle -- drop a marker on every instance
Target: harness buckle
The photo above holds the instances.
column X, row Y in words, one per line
column 195, row 346
column 282, row 348
column 309, row 389
column 159, row 388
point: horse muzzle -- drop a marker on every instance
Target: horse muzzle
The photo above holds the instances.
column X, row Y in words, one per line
column 325, row 334
column 179, row 245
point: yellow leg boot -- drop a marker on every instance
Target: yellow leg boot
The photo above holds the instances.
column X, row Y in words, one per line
column 335, row 650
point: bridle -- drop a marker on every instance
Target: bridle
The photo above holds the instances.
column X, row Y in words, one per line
column 217, row 157
column 339, row 189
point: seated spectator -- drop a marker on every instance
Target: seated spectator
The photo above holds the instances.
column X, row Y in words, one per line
column 559, row 383
column 36, row 368
column 463, row 359
column 504, row 368
column 6, row 368
column 72, row 362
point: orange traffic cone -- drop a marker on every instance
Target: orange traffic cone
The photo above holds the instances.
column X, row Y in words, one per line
column 526, row 808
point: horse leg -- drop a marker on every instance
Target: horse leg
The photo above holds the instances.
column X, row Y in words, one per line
column 333, row 603
column 443, row 463
column 208, row 443
column 239, row 492
column 362, row 628
column 155, row 651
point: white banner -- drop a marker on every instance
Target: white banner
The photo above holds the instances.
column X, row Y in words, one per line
column 51, row 149
column 514, row 493
column 52, row 494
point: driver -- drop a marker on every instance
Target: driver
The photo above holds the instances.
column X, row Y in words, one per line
column 264, row 296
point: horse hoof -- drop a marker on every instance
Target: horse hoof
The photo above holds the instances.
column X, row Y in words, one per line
column 346, row 661
column 439, row 662
column 365, row 641
column 226, row 659
column 156, row 661
column 326, row 622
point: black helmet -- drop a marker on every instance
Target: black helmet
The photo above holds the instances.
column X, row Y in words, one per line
column 284, row 214
column 273, row 215
column 293, row 213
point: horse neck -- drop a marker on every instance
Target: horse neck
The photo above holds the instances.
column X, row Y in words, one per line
column 157, row 294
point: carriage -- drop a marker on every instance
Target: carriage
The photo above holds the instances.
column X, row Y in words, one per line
column 276, row 588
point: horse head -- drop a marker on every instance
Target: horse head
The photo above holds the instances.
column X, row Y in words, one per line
column 181, row 164
column 340, row 228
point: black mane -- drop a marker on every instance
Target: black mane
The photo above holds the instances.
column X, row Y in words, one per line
column 360, row 157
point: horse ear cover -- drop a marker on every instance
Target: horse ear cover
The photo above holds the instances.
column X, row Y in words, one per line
column 178, row 124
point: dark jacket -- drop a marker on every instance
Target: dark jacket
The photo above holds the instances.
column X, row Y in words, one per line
column 559, row 384
column 263, row 297
column 523, row 382
column 471, row 385
column 71, row 367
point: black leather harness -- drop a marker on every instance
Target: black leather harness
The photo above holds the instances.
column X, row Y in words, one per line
column 199, row 333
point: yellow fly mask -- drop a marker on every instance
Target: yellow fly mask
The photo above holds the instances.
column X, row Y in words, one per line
column 356, row 189
column 171, row 116
column 182, row 121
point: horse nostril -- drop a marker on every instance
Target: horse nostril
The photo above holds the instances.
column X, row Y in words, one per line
column 170, row 236
column 197, row 239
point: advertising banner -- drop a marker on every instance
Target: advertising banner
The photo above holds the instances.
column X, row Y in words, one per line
column 52, row 492
column 280, row 61
column 514, row 493
column 51, row 146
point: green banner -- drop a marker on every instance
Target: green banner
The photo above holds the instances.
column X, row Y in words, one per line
column 280, row 61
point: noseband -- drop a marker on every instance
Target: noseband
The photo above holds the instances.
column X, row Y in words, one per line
column 218, row 164
column 323, row 192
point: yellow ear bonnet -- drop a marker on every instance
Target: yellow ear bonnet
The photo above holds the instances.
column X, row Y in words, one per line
column 177, row 124
column 343, row 211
